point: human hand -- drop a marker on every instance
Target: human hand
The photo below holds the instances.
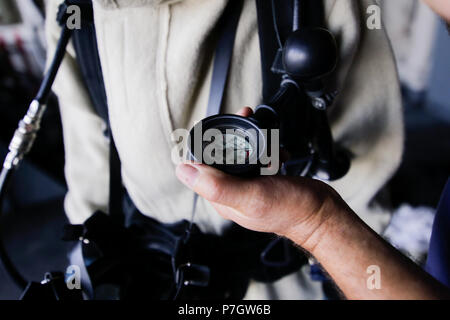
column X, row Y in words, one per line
column 293, row 207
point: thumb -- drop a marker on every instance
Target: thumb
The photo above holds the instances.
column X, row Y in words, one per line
column 214, row 185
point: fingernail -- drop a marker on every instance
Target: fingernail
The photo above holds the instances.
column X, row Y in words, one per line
column 187, row 174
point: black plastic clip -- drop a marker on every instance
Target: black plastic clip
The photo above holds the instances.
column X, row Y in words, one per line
column 193, row 275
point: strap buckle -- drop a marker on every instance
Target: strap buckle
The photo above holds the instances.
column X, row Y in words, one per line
column 190, row 274
column 276, row 254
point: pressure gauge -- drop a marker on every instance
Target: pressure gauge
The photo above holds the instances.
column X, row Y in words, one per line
column 230, row 143
column 239, row 145
column 234, row 145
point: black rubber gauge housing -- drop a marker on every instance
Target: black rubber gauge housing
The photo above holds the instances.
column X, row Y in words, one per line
column 239, row 140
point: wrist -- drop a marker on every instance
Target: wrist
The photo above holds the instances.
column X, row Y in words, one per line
column 334, row 213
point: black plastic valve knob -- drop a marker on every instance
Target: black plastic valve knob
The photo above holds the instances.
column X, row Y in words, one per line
column 310, row 54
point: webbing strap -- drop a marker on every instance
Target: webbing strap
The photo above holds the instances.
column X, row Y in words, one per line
column 224, row 52
column 227, row 29
column 85, row 43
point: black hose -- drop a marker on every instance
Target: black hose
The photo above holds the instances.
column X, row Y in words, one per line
column 15, row 275
column 49, row 78
column 5, row 175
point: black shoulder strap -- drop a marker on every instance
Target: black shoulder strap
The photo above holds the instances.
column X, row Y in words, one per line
column 86, row 48
column 222, row 58
column 85, row 43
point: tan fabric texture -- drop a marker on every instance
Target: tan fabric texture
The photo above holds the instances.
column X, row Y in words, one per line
column 157, row 58
column 411, row 25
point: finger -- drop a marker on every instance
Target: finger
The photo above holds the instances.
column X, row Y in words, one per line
column 214, row 185
column 245, row 112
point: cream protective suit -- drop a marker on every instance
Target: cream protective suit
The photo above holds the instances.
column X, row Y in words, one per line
column 157, row 64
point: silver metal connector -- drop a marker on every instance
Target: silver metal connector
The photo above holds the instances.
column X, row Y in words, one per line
column 321, row 101
column 25, row 135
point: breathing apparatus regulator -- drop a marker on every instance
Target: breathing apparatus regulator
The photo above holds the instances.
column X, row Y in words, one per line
column 297, row 110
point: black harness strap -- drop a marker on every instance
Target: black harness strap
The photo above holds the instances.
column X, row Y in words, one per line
column 224, row 51
column 227, row 28
column 116, row 189
column 85, row 43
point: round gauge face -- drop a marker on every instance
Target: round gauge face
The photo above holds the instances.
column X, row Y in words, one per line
column 230, row 143
column 231, row 148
